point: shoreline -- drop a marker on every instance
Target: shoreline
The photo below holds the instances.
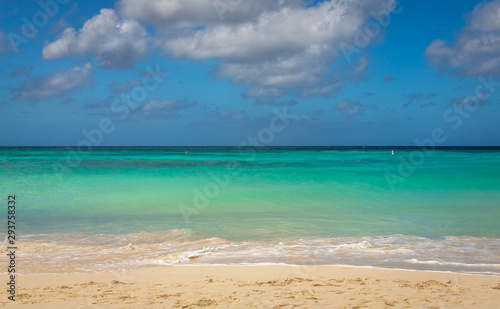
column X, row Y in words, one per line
column 96, row 253
column 262, row 265
column 271, row 286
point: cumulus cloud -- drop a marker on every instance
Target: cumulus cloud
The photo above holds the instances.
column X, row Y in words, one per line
column 351, row 108
column 275, row 47
column 298, row 31
column 114, row 41
column 184, row 13
column 55, row 84
column 291, row 46
column 476, row 50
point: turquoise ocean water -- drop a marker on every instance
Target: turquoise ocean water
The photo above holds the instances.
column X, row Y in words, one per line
column 122, row 208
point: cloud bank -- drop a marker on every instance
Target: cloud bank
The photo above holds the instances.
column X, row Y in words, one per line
column 274, row 47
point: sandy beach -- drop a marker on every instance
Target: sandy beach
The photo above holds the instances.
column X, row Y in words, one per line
column 257, row 287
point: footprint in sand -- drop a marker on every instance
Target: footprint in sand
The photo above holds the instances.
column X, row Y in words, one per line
column 391, row 303
column 429, row 283
column 205, row 302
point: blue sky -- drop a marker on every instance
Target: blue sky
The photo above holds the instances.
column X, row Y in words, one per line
column 219, row 72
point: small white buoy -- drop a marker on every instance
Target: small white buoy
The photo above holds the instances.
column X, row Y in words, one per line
column 393, row 152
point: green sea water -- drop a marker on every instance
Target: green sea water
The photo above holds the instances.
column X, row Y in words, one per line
column 436, row 209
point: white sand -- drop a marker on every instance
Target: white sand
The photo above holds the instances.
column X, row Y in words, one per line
column 257, row 287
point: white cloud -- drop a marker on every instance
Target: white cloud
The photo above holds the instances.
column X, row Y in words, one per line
column 290, row 47
column 273, row 34
column 486, row 17
column 273, row 46
column 184, row 13
column 476, row 50
column 55, row 84
column 115, row 42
